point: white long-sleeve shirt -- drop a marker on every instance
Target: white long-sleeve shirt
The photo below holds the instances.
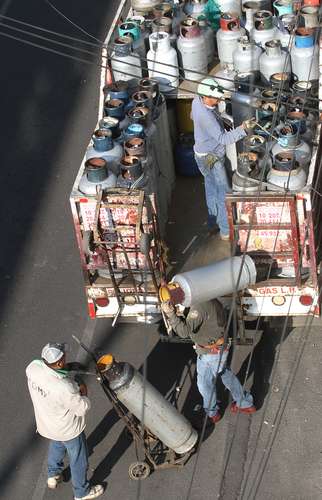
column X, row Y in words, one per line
column 59, row 407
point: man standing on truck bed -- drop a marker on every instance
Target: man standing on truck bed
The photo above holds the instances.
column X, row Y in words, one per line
column 210, row 150
column 60, row 406
column 205, row 324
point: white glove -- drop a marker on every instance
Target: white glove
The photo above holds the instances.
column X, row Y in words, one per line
column 168, row 308
column 249, row 124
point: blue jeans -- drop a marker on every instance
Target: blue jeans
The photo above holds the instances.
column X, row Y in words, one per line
column 216, row 187
column 78, row 460
column 207, row 370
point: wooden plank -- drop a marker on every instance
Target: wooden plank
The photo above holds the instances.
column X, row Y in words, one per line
column 187, row 89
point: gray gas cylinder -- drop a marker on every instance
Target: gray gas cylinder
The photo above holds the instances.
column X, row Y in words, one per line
column 215, row 280
column 274, row 60
column 194, row 8
column 192, row 50
column 151, row 408
column 96, row 174
column 227, row 37
column 126, row 65
column 246, row 56
column 264, row 29
column 209, row 35
column 144, row 6
column 244, row 101
column 104, row 147
column 290, row 141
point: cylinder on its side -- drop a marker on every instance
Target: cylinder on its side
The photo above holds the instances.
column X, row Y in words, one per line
column 158, row 415
column 217, row 279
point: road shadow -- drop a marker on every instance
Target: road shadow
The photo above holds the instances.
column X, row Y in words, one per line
column 261, row 363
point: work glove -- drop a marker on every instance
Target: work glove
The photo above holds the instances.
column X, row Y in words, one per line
column 168, row 308
column 249, row 125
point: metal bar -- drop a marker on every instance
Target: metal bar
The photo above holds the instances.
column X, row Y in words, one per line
column 313, row 260
column 291, row 282
column 254, row 227
column 139, row 219
column 295, row 240
column 263, row 198
column 79, row 240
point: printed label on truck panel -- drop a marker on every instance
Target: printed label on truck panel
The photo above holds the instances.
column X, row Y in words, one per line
column 281, row 290
column 110, row 216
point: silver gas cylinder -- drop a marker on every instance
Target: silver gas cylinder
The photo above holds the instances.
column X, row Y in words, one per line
column 281, row 80
column 286, row 23
column 192, row 50
column 232, row 6
column 273, row 60
column 245, row 100
column 290, row 142
column 310, row 16
column 103, row 146
column 227, row 38
column 150, row 407
column 246, row 56
column 194, row 8
column 258, row 144
column 164, row 24
column 144, row 6
column 286, row 173
column 163, row 9
column 131, row 173
column 225, row 77
column 215, row 280
column 96, row 174
column 264, row 30
column 256, row 5
column 305, row 55
column 163, row 61
column 306, row 128
column 249, row 20
column 132, row 28
column 209, row 35
column 145, row 31
column 126, row 65
column 248, row 176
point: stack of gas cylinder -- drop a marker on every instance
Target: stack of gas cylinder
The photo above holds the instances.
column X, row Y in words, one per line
column 165, row 41
column 269, row 66
column 270, row 69
column 131, row 148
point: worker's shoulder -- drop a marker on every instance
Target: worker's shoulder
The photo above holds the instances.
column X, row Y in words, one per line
column 35, row 365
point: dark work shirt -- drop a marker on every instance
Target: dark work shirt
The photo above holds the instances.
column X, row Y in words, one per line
column 204, row 324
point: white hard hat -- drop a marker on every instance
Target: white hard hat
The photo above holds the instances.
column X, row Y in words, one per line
column 210, row 88
column 53, row 352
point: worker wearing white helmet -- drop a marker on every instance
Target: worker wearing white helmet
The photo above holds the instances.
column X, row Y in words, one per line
column 210, row 149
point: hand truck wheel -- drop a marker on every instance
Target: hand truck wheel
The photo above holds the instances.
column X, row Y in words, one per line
column 139, row 470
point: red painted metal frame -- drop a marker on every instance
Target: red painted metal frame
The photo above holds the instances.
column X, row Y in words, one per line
column 231, row 203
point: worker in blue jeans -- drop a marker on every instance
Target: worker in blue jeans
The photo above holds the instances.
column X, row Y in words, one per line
column 205, row 324
column 60, row 406
column 211, row 139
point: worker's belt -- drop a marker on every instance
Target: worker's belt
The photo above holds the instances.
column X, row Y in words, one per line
column 214, row 349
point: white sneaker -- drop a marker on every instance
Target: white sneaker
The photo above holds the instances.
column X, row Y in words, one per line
column 94, row 492
column 53, row 482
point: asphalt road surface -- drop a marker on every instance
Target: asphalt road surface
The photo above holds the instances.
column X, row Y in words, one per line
column 49, row 109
